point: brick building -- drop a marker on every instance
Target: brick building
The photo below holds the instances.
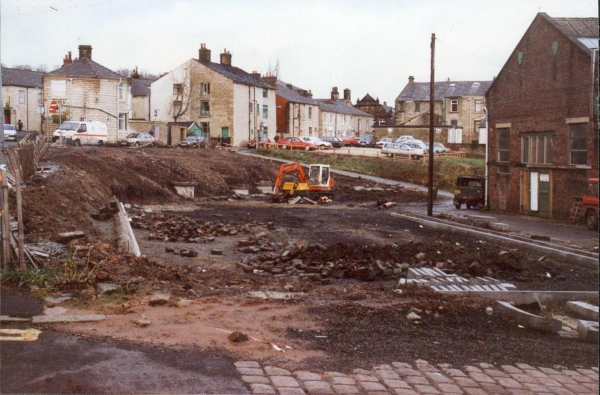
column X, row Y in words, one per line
column 21, row 97
column 458, row 110
column 225, row 101
column 543, row 125
column 339, row 118
column 86, row 90
column 383, row 115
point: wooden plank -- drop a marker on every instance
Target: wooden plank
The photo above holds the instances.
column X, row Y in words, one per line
column 21, row 238
column 6, row 220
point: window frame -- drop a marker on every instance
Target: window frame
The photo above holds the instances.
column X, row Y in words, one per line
column 265, row 113
column 203, row 112
column 265, row 93
column 175, row 103
column 122, row 92
column 499, row 150
column 22, row 96
column 585, row 127
column 177, row 89
column 122, row 118
column 532, row 142
column 452, row 103
column 478, row 103
column 417, row 106
column 205, row 88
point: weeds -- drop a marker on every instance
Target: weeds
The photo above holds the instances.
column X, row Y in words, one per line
column 33, row 278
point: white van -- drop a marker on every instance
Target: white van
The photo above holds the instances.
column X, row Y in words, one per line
column 82, row 133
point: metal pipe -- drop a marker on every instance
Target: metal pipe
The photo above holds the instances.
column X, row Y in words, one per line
column 431, row 134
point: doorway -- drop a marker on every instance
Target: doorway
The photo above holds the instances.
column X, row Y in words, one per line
column 539, row 194
column 7, row 115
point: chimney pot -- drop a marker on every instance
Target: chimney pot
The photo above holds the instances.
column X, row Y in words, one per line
column 270, row 79
column 335, row 95
column 411, row 79
column 204, row 53
column 225, row 58
column 85, row 51
column 347, row 95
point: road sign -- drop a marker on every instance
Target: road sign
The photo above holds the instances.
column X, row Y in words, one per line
column 53, row 107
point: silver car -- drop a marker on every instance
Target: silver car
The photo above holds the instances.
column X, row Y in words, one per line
column 138, row 139
column 10, row 133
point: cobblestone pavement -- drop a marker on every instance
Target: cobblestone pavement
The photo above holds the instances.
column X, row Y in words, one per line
column 421, row 378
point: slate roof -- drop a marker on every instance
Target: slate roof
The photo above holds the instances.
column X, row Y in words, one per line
column 419, row 91
column 24, row 78
column 340, row 106
column 575, row 28
column 140, row 87
column 236, row 74
column 290, row 93
column 86, row 67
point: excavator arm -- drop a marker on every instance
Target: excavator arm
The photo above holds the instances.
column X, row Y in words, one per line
column 288, row 168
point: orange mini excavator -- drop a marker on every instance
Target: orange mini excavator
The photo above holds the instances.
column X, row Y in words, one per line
column 318, row 184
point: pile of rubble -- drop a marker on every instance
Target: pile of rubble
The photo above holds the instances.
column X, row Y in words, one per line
column 168, row 227
column 316, row 262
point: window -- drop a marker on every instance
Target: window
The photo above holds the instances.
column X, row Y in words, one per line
column 310, row 131
column 453, row 105
column 122, row 92
column 478, row 105
column 257, row 108
column 476, row 126
column 177, row 89
column 205, row 88
column 417, row 107
column 204, row 108
column 21, row 96
column 123, row 121
column 578, row 143
column 265, row 93
column 454, row 124
column 537, row 148
column 381, row 122
column 40, row 99
column 309, row 112
column 503, row 145
column 265, row 111
column 58, row 88
column 265, row 131
column 250, row 107
column 205, row 127
column 176, row 108
column 324, row 118
column 359, row 125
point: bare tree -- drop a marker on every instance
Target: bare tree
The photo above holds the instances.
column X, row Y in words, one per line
column 43, row 68
column 23, row 67
column 124, row 72
column 274, row 70
column 146, row 75
column 187, row 92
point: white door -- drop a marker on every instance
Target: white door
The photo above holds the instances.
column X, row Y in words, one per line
column 533, row 190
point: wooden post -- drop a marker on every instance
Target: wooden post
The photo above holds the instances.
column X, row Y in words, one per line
column 21, row 238
column 5, row 222
column 431, row 135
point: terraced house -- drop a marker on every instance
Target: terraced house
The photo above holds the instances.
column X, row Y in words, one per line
column 21, row 97
column 87, row 91
column 543, row 119
column 225, row 102
column 339, row 118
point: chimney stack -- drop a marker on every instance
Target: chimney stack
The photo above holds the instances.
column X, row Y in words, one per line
column 256, row 75
column 347, row 95
column 270, row 79
column 226, row 58
column 67, row 60
column 411, row 79
column 204, row 53
column 335, row 95
column 85, row 51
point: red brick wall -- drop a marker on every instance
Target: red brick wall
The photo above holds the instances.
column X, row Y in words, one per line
column 282, row 115
column 538, row 95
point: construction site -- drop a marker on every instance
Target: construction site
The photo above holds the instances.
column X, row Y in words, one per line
column 181, row 249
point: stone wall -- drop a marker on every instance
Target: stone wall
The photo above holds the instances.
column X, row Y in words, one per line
column 27, row 111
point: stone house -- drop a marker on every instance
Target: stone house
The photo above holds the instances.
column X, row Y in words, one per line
column 297, row 111
column 141, row 116
column 22, row 97
column 339, row 118
column 543, row 119
column 458, row 110
column 86, row 90
column 226, row 102
column 382, row 113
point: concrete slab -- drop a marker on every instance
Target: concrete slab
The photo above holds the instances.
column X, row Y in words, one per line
column 588, row 331
column 7, row 319
column 527, row 319
column 499, row 226
column 583, row 310
column 55, row 319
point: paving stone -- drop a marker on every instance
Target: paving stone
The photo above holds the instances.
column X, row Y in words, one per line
column 511, row 369
column 481, row 378
column 571, row 373
column 345, row 389
column 493, row 388
column 465, row 382
column 361, row 371
column 262, row 389
column 383, row 367
column 475, row 391
column 426, row 389
column 577, row 388
column 507, row 382
column 487, row 366
column 549, row 382
column 273, row 371
column 247, row 364
column 425, row 367
column 417, row 380
column 305, row 376
column 387, row 374
column 405, row 391
column 495, row 373
column 371, row 386
column 255, row 379
column 366, row 377
column 334, row 374
column 318, row 387
column 396, row 383
column 455, row 373
column 402, row 365
column 564, row 380
column 582, row 379
column 549, row 371
column 473, row 369
column 449, row 388
column 592, row 386
column 587, row 372
column 343, row 380
column 284, row 381
column 536, row 374
column 515, row 391
column 378, row 393
column 595, row 369
column 524, row 366
column 562, row 391
column 251, row 371
column 535, row 387
column 291, row 391
column 525, row 378
column 438, row 377
column 408, row 372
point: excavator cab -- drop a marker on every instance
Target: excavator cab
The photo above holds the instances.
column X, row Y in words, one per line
column 318, row 176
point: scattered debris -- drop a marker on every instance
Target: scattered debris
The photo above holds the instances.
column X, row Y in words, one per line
column 55, row 319
column 582, row 310
column 413, row 316
column 106, row 288
column 66, row 237
column 23, row 335
column 527, row 319
column 588, row 331
column 107, row 212
column 159, row 299
column 142, row 322
column 539, row 237
column 386, row 205
column 238, row 337
column 58, row 299
column 8, row 319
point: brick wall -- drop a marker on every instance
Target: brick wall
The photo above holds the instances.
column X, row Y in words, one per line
column 539, row 95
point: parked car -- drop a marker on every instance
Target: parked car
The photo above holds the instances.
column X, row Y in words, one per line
column 292, row 143
column 192, row 142
column 336, row 142
column 416, row 144
column 469, row 190
column 398, row 148
column 590, row 204
column 404, row 139
column 317, row 141
column 82, row 133
column 350, row 141
column 262, row 143
column 138, row 139
column 10, row 133
column 367, row 141
column 383, row 141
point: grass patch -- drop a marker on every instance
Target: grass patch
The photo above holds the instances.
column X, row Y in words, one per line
column 33, row 278
column 445, row 169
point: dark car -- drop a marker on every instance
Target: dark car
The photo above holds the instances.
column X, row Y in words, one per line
column 350, row 142
column 192, row 142
column 367, row 141
column 469, row 190
column 336, row 142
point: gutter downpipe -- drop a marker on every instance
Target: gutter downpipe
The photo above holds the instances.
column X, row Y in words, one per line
column 250, row 119
column 487, row 145
column 118, row 109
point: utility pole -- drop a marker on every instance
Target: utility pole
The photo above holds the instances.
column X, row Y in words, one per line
column 431, row 135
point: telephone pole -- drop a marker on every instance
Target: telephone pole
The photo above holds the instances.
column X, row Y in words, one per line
column 431, row 135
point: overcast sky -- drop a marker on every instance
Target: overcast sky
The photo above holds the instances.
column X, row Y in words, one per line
column 368, row 46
